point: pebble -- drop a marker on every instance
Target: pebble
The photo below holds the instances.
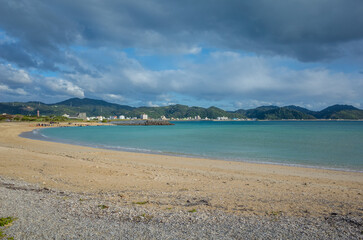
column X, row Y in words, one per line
column 49, row 214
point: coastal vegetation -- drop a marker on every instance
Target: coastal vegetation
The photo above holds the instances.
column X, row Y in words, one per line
column 5, row 222
column 51, row 112
column 102, row 206
column 27, row 118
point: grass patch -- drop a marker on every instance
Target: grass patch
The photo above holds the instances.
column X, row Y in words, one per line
column 5, row 222
column 193, row 210
column 103, row 206
column 274, row 213
column 2, row 234
column 140, row 203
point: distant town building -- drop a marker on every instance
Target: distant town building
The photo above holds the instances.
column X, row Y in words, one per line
column 65, row 115
column 143, row 116
column 100, row 118
column 163, row 118
column 38, row 113
column 82, row 116
column 122, row 117
column 222, row 118
column 197, row 118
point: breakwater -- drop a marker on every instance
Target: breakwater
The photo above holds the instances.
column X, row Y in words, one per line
column 143, row 123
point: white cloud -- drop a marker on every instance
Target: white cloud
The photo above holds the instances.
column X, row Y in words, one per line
column 227, row 77
column 4, row 38
column 195, row 50
column 224, row 76
column 14, row 76
column 114, row 98
column 68, row 38
column 6, row 89
column 64, row 87
column 151, row 104
column 252, row 103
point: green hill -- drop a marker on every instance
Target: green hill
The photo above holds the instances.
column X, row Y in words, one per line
column 275, row 113
column 300, row 109
column 259, row 112
column 283, row 113
column 295, row 112
column 94, row 107
column 183, row 111
column 340, row 112
column 71, row 106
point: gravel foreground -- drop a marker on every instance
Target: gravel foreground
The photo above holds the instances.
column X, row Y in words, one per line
column 43, row 213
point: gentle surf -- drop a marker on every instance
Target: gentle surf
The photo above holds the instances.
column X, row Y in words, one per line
column 319, row 144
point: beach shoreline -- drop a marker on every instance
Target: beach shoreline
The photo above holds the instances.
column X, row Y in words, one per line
column 179, row 182
column 34, row 136
column 37, row 135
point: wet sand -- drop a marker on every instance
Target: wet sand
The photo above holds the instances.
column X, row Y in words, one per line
column 158, row 181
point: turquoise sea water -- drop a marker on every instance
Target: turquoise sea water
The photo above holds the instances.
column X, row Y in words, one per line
column 325, row 144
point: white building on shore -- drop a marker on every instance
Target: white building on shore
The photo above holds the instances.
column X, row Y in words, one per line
column 222, row 118
column 143, row 116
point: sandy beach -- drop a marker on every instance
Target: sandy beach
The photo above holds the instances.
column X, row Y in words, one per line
column 176, row 182
column 63, row 191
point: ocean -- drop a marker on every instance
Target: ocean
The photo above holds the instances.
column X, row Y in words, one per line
column 318, row 144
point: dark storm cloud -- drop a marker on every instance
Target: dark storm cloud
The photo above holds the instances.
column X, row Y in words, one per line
column 303, row 29
column 15, row 53
column 39, row 34
column 83, row 44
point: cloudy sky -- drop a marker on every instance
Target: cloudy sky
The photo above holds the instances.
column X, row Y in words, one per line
column 231, row 54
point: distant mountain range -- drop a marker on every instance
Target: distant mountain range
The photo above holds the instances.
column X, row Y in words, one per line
column 94, row 107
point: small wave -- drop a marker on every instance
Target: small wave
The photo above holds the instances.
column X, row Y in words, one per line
column 130, row 149
column 36, row 131
column 36, row 134
column 39, row 133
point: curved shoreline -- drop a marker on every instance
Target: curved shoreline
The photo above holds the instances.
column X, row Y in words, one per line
column 179, row 182
column 32, row 135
